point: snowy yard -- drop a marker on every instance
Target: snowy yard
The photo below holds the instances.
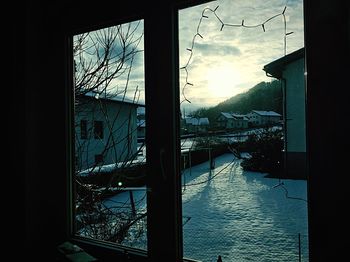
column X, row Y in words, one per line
column 239, row 215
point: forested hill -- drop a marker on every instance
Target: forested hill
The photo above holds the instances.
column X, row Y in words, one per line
column 264, row 96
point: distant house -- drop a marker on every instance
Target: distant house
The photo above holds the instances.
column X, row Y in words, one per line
column 228, row 121
column 141, row 124
column 263, row 118
column 106, row 130
column 290, row 71
column 240, row 121
column 224, row 121
column 196, row 125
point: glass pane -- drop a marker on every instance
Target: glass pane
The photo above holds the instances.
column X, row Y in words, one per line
column 110, row 153
column 243, row 149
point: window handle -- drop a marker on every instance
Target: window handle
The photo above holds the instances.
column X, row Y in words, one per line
column 161, row 160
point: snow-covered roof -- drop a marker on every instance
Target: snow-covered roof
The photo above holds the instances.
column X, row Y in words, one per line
column 227, row 115
column 203, row 121
column 234, row 116
column 197, row 121
column 266, row 113
column 111, row 167
column 239, row 116
column 115, row 98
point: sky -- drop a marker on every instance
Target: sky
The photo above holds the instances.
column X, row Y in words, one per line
column 126, row 56
column 223, row 63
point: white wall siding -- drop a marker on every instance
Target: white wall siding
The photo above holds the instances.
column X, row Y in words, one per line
column 119, row 141
column 295, row 106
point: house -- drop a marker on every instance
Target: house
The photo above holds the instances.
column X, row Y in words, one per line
column 240, row 121
column 141, row 123
column 225, row 121
column 141, row 128
column 290, row 71
column 229, row 121
column 106, row 130
column 263, row 118
column 196, row 125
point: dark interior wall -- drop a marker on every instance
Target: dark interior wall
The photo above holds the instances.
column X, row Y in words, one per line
column 327, row 51
column 41, row 114
column 296, row 165
column 45, row 124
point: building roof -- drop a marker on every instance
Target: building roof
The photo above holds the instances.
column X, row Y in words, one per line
column 275, row 68
column 113, row 98
column 227, row 115
column 197, row 121
column 239, row 116
column 266, row 113
column 234, row 116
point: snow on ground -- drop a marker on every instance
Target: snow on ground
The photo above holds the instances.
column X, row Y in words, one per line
column 137, row 234
column 237, row 214
column 241, row 215
column 110, row 167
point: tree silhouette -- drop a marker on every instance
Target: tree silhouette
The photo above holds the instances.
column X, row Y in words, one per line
column 106, row 100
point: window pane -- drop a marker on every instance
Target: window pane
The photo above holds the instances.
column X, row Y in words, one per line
column 110, row 191
column 98, row 129
column 83, row 129
column 243, row 149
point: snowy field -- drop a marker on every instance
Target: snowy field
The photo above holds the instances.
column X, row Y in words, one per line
column 241, row 215
column 236, row 214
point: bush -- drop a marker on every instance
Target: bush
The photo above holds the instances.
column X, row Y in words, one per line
column 266, row 150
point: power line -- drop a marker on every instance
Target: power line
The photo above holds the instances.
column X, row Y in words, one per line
column 281, row 184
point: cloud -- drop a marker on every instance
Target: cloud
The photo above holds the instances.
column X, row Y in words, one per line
column 243, row 50
column 207, row 49
column 246, row 50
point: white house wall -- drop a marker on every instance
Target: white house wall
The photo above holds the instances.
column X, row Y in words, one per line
column 119, row 128
column 295, row 106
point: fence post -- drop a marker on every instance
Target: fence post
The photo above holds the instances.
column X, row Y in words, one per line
column 299, row 241
column 132, row 203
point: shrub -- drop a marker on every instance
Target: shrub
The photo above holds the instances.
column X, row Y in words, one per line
column 266, row 150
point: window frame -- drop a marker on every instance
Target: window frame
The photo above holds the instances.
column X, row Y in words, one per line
column 99, row 249
column 52, row 23
column 165, row 243
column 163, row 151
column 98, row 129
column 259, row 120
column 83, row 129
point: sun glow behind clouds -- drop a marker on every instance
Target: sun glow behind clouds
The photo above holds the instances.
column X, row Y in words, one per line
column 226, row 61
column 223, row 80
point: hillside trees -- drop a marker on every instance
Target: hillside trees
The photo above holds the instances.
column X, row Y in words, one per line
column 263, row 96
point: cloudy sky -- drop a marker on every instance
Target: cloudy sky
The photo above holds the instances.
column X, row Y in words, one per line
column 226, row 62
column 221, row 61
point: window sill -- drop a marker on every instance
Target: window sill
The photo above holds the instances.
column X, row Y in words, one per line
column 105, row 251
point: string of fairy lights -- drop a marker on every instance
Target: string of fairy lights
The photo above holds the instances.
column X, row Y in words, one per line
column 191, row 50
column 223, row 24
